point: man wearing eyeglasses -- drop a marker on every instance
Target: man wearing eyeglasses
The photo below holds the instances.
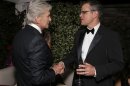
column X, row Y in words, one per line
column 96, row 53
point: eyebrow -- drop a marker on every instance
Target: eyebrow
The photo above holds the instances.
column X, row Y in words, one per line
column 85, row 11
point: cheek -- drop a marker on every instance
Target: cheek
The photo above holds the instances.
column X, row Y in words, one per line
column 88, row 18
column 85, row 19
column 46, row 22
column 42, row 23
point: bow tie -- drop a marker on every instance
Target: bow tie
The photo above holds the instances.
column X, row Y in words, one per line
column 88, row 31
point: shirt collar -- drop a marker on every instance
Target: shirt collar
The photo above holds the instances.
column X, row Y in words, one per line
column 36, row 27
column 96, row 28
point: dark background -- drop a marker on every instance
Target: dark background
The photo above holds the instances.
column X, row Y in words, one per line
column 102, row 1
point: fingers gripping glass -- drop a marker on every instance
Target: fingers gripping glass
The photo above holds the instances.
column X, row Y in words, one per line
column 79, row 80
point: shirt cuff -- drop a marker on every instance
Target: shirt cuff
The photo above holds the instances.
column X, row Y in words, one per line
column 95, row 73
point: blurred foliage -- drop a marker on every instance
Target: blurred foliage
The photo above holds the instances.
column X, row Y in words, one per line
column 65, row 22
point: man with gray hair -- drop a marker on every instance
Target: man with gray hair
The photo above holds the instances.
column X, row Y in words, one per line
column 32, row 57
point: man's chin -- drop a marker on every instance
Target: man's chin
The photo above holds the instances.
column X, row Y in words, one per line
column 46, row 27
column 82, row 24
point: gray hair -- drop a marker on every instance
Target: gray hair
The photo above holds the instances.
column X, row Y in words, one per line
column 35, row 9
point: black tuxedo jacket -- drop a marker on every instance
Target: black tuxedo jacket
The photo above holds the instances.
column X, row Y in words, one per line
column 32, row 58
column 104, row 53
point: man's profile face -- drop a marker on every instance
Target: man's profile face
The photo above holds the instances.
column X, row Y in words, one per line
column 86, row 15
column 44, row 20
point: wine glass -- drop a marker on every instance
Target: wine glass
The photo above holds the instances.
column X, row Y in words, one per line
column 79, row 82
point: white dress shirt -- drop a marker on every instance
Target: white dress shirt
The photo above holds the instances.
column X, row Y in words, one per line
column 36, row 27
column 87, row 41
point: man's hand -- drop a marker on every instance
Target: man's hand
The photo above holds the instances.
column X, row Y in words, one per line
column 86, row 70
column 62, row 65
column 58, row 68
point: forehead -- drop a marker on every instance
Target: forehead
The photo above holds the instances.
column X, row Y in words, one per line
column 46, row 12
column 86, row 6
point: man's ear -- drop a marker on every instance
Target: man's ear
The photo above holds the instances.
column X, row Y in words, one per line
column 95, row 13
column 37, row 20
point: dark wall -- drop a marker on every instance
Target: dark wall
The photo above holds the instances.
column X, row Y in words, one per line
column 9, row 25
column 117, row 17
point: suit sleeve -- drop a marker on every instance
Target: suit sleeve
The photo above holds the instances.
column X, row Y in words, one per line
column 39, row 68
column 115, row 57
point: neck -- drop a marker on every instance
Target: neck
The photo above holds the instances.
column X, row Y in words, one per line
column 93, row 24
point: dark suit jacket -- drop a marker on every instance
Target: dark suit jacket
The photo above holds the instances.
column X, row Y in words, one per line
column 104, row 53
column 32, row 58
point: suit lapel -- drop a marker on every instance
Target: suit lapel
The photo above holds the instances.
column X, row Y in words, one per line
column 80, row 42
column 96, row 39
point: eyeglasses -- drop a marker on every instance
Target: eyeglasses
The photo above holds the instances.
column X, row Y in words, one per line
column 84, row 12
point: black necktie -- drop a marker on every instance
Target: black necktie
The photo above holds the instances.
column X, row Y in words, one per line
column 88, row 31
